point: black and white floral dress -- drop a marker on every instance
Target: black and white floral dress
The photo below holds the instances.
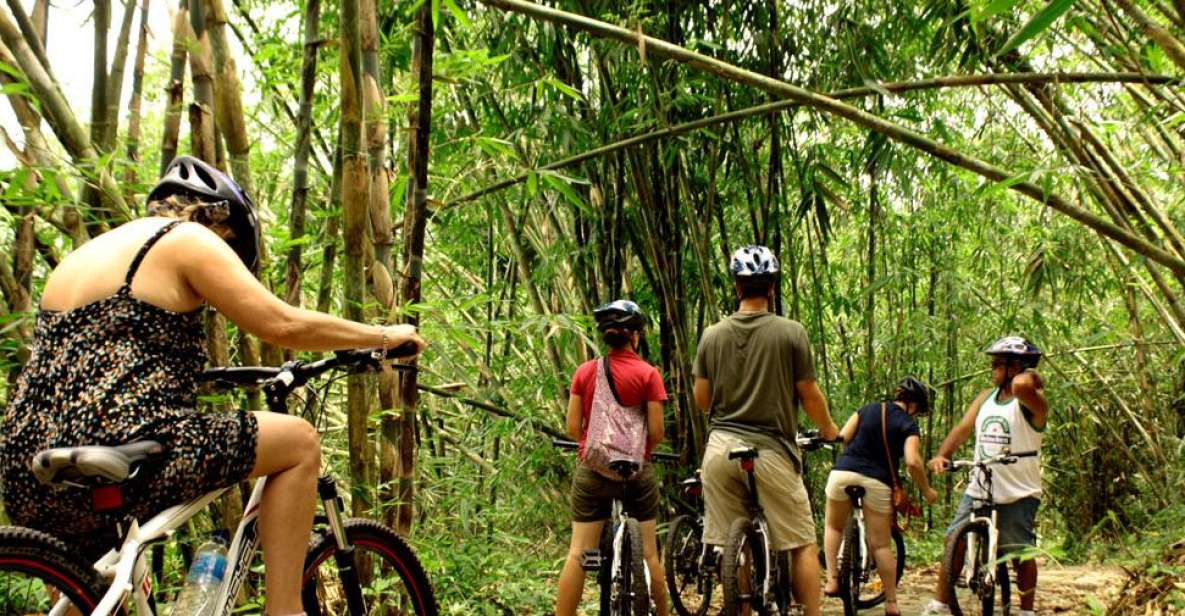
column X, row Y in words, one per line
column 111, row 372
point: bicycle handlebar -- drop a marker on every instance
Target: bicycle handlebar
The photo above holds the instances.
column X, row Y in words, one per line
column 1006, row 457
column 811, row 441
column 654, row 455
column 296, row 373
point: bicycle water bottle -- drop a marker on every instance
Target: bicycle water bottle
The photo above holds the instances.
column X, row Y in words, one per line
column 204, row 578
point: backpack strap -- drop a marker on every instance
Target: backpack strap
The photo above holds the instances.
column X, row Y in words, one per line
column 609, row 377
column 885, row 436
column 127, row 281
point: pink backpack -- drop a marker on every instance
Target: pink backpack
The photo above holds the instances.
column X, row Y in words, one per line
column 615, row 432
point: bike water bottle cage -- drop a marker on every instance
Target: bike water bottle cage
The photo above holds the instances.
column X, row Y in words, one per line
column 624, row 468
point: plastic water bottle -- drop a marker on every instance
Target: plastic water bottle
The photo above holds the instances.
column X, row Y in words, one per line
column 204, row 577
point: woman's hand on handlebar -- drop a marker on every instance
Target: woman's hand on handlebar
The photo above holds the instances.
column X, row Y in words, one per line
column 397, row 335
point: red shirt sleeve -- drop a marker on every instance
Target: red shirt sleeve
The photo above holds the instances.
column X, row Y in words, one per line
column 655, row 390
column 580, row 381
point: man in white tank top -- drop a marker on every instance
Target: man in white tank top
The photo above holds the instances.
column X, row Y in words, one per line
column 1011, row 415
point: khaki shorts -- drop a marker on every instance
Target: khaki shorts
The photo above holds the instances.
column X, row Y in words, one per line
column 593, row 494
column 877, row 495
column 779, row 489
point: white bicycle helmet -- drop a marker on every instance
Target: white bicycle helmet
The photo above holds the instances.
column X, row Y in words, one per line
column 1015, row 347
column 752, row 261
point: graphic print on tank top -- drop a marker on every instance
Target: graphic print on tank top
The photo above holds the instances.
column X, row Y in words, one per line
column 1003, row 426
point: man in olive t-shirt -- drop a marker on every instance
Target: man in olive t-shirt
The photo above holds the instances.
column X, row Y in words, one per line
column 752, row 370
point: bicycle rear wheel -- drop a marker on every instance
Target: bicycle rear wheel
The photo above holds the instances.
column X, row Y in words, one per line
column 391, row 578
column 979, row 594
column 851, row 564
column 860, row 584
column 690, row 587
column 638, row 598
column 36, row 574
column 742, row 568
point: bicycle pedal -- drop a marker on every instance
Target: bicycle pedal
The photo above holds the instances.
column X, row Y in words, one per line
column 590, row 560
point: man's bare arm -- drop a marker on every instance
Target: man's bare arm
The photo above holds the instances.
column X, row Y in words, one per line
column 815, row 405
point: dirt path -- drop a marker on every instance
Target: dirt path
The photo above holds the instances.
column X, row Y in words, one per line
column 1060, row 590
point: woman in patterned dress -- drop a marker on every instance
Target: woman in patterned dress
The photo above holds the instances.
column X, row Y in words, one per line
column 118, row 346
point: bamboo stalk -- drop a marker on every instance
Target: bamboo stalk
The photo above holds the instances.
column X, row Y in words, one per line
column 102, row 21
column 414, row 228
column 114, row 87
column 133, row 146
column 34, row 31
column 354, row 202
column 1172, row 47
column 176, row 88
column 300, row 165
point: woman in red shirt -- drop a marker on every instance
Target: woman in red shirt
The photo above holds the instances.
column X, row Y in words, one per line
column 637, row 387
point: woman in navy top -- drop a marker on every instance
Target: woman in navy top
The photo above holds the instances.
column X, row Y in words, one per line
column 865, row 463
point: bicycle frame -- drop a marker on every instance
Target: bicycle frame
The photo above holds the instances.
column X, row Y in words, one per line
column 992, row 519
column 128, row 563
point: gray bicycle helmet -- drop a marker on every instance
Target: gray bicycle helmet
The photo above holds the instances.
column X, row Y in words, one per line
column 619, row 314
column 1015, row 347
column 752, row 261
column 187, row 175
column 911, row 389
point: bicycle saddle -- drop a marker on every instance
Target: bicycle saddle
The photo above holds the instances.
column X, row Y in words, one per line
column 744, row 453
column 854, row 491
column 693, row 481
column 66, row 465
column 624, row 468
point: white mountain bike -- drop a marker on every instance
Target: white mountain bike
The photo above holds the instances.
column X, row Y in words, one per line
column 354, row 566
column 975, row 576
column 621, row 571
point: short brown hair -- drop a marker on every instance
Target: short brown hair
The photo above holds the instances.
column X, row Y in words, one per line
column 755, row 286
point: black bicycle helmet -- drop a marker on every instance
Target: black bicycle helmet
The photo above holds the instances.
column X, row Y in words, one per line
column 1015, row 347
column 912, row 390
column 753, row 261
column 619, row 314
column 187, row 175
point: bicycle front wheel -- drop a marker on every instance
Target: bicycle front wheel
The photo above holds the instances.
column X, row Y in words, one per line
column 388, row 574
column 689, row 585
column 36, row 575
column 979, row 587
column 742, row 569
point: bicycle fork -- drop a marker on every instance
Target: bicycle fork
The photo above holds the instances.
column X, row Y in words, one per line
column 972, row 550
column 343, row 557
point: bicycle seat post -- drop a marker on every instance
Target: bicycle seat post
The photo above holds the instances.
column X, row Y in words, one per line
column 747, row 456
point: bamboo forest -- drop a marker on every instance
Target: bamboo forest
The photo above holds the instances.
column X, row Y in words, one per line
column 950, row 190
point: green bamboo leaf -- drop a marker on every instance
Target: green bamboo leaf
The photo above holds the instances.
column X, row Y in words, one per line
column 996, row 8
column 565, row 88
column 456, row 12
column 565, row 189
column 1036, row 24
